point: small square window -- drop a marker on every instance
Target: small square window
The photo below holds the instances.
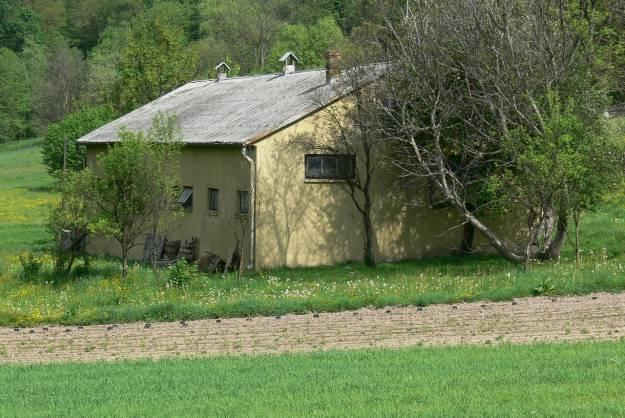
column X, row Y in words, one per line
column 186, row 198
column 213, row 200
column 244, row 202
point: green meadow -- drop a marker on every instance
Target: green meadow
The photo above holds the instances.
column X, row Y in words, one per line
column 26, row 192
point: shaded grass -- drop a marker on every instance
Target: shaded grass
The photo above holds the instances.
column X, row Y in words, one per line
column 539, row 380
column 97, row 294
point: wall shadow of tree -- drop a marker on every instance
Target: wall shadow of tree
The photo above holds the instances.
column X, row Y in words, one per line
column 278, row 212
column 304, row 222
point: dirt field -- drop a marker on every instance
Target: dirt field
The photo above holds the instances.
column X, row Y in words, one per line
column 599, row 316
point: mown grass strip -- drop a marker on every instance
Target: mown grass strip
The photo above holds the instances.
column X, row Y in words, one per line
column 537, row 380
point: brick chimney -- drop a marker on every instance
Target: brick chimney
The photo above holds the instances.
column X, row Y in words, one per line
column 333, row 63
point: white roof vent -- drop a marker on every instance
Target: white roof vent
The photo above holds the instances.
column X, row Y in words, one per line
column 222, row 71
column 289, row 59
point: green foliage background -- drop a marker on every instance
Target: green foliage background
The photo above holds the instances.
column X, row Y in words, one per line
column 60, row 56
column 70, row 129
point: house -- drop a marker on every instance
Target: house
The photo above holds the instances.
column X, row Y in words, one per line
column 245, row 184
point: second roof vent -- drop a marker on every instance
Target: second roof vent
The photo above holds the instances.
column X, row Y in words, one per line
column 289, row 59
column 222, row 71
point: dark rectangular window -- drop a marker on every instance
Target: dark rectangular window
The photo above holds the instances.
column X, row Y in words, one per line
column 330, row 166
column 213, row 199
column 244, row 202
column 186, row 198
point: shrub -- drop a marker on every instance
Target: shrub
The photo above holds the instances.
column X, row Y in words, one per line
column 181, row 273
column 72, row 127
column 545, row 287
column 31, row 266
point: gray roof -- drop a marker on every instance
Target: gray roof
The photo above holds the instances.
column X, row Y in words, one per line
column 232, row 111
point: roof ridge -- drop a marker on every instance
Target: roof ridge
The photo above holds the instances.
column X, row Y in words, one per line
column 240, row 77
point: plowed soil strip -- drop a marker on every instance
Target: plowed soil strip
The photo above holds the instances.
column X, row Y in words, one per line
column 594, row 317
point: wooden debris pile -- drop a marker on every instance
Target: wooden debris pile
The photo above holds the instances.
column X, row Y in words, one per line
column 169, row 251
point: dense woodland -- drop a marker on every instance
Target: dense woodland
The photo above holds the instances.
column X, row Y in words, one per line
column 63, row 56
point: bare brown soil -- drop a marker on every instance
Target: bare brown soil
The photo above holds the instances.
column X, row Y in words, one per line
column 594, row 317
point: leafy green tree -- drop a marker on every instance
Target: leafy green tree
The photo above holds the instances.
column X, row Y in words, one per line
column 86, row 20
column 309, row 43
column 18, row 24
column 102, row 66
column 15, row 97
column 135, row 192
column 209, row 53
column 155, row 59
column 69, row 219
column 51, row 15
column 166, row 143
column 59, row 147
column 248, row 30
column 570, row 168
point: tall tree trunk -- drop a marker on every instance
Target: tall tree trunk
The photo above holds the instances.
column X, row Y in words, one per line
column 552, row 252
column 153, row 255
column 544, row 236
column 578, row 252
column 468, row 234
column 124, row 262
column 534, row 223
column 369, row 255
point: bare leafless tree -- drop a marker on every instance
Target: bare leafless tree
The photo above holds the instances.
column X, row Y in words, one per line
column 461, row 75
column 63, row 82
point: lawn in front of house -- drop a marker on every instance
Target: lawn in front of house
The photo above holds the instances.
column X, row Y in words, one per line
column 583, row 380
column 97, row 294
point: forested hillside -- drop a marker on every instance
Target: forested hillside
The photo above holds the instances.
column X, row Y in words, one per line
column 63, row 56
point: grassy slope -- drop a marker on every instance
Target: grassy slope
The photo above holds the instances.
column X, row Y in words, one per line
column 540, row 380
column 26, row 190
column 98, row 295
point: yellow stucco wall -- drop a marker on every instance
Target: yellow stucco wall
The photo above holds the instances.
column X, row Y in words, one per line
column 222, row 168
column 299, row 222
column 303, row 223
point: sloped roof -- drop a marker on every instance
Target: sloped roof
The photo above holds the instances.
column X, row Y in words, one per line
column 231, row 111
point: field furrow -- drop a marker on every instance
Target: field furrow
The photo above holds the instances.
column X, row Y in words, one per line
column 543, row 319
